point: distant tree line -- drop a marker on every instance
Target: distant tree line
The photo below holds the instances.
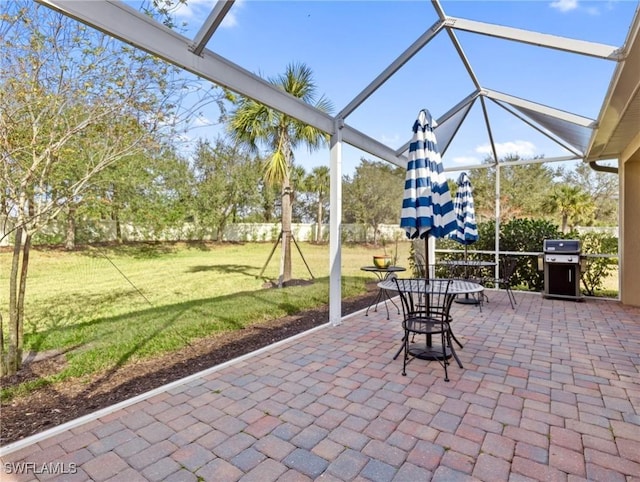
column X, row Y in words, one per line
column 567, row 197
column 222, row 183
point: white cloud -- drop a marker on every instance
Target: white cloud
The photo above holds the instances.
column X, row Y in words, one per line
column 189, row 9
column 565, row 5
column 229, row 21
column 520, row 148
column 201, row 121
column 198, row 10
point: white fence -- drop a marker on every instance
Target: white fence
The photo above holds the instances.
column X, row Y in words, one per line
column 106, row 231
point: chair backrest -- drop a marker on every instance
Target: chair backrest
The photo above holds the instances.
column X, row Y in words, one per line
column 438, row 299
column 507, row 267
column 455, row 271
column 433, row 300
column 409, row 304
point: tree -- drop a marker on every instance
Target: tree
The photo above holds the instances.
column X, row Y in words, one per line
column 269, row 194
column 573, row 204
column 257, row 125
column 602, row 187
column 374, row 195
column 226, row 179
column 298, row 190
column 72, row 103
column 518, row 198
column 318, row 183
column 149, row 190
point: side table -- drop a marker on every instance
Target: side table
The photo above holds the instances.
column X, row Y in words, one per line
column 382, row 274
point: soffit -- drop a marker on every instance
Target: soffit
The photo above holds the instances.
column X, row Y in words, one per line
column 619, row 120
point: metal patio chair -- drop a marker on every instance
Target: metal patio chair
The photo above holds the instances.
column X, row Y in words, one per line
column 506, row 269
column 426, row 312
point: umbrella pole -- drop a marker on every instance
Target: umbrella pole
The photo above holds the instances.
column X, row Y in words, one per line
column 426, row 256
column 466, row 275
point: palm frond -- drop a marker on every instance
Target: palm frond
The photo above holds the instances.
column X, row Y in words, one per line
column 297, row 81
column 324, row 104
column 253, row 123
column 276, row 168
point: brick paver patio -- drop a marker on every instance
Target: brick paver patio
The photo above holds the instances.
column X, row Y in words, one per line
column 549, row 391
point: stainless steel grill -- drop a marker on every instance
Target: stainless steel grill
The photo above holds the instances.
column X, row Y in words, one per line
column 562, row 268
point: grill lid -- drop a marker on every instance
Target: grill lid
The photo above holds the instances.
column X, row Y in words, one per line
column 561, row 246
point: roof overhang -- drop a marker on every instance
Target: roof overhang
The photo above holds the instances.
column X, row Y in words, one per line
column 618, row 124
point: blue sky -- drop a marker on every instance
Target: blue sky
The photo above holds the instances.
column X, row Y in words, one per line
column 347, row 44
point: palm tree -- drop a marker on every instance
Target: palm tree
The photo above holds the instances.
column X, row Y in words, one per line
column 573, row 204
column 318, row 183
column 258, row 125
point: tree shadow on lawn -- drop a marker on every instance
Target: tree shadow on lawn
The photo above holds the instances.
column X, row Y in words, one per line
column 245, row 269
column 182, row 323
column 136, row 250
column 144, row 249
column 56, row 312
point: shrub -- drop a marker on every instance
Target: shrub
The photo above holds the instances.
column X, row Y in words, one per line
column 517, row 235
column 597, row 269
column 528, row 235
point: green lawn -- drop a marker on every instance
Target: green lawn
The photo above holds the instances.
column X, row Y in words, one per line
column 107, row 307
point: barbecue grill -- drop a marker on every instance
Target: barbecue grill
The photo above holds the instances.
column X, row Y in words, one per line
column 562, row 269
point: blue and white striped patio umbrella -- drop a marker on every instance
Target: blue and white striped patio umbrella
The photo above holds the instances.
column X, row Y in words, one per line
column 427, row 208
column 466, row 232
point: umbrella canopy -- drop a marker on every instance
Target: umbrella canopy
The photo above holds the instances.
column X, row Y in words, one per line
column 466, row 231
column 427, row 208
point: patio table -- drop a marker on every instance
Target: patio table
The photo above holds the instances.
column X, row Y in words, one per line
column 382, row 274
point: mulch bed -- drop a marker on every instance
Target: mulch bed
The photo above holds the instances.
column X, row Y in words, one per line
column 53, row 405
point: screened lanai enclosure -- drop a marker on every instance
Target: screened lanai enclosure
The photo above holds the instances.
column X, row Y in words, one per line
column 503, row 79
